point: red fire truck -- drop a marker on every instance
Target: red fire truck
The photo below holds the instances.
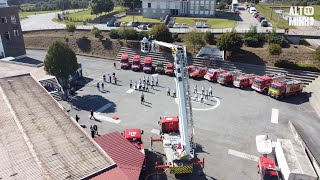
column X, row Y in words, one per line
column 134, row 136
column 228, row 77
column 212, row 74
column 136, row 65
column 169, row 69
column 244, row 80
column 124, row 61
column 198, row 73
column 282, row 89
column 267, row 169
column 262, row 83
column 147, row 65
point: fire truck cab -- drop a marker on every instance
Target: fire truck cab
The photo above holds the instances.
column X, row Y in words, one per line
column 282, row 89
column 191, row 68
column 244, row 80
column 262, row 83
column 136, row 65
column 124, row 61
column 169, row 69
column 212, row 74
column 169, row 124
column 228, row 77
column 267, row 169
column 198, row 73
column 134, row 136
column 147, row 65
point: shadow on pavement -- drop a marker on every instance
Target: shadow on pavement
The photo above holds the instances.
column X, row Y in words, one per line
column 299, row 99
column 92, row 102
column 150, row 173
column 28, row 60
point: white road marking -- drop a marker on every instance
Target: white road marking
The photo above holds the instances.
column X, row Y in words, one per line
column 155, row 131
column 105, row 118
column 274, row 116
column 103, row 108
column 130, row 91
column 203, row 109
column 154, row 75
column 243, row 155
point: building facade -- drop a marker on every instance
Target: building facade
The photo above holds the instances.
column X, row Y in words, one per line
column 195, row 8
column 11, row 38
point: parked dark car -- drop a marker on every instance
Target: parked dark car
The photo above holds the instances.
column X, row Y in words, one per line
column 170, row 25
column 150, row 25
column 261, row 18
column 135, row 24
column 143, row 27
column 110, row 23
column 264, row 23
column 116, row 24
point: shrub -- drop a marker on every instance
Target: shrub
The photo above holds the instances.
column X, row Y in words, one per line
column 296, row 66
column 161, row 33
column 70, row 28
column 274, row 49
column 143, row 34
column 113, row 34
column 175, row 36
column 208, row 37
column 127, row 33
column 96, row 32
column 317, row 54
column 251, row 42
column 274, row 38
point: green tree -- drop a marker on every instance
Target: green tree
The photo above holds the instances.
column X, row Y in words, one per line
column 114, row 34
column 161, row 33
column 60, row 61
column 194, row 39
column 208, row 37
column 274, row 49
column 252, row 38
column 101, row 6
column 274, row 38
column 127, row 33
column 71, row 28
column 130, row 3
column 317, row 54
column 96, row 32
column 230, row 41
column 221, row 5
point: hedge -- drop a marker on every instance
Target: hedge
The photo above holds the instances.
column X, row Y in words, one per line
column 296, row 66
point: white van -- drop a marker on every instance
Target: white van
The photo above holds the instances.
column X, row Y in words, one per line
column 252, row 10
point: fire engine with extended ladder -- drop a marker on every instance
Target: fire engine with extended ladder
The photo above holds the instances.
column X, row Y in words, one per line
column 177, row 132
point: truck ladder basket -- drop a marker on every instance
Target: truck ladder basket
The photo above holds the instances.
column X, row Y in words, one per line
column 185, row 79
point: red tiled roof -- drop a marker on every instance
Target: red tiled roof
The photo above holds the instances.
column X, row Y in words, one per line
column 128, row 158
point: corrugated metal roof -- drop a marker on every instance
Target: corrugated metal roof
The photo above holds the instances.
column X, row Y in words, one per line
column 127, row 157
column 38, row 140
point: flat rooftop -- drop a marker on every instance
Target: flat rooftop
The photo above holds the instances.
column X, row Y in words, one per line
column 38, row 140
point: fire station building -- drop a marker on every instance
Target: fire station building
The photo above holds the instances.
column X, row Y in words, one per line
column 11, row 38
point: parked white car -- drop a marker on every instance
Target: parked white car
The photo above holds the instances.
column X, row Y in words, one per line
column 198, row 25
column 183, row 25
column 176, row 25
column 129, row 24
column 205, row 25
column 123, row 24
column 252, row 10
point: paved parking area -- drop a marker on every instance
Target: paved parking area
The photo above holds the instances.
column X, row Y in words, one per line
column 225, row 125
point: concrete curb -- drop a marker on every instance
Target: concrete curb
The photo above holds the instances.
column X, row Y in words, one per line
column 24, row 64
column 299, row 139
column 80, row 54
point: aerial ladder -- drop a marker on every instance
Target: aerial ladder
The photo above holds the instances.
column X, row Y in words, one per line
column 177, row 133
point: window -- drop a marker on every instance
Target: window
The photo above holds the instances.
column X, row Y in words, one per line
column 7, row 36
column 13, row 19
column 149, row 5
column 163, row 11
column 16, row 32
column 3, row 20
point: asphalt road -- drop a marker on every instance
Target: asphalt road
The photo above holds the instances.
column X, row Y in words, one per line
column 225, row 125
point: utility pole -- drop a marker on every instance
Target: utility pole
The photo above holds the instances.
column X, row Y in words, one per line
column 133, row 10
column 271, row 10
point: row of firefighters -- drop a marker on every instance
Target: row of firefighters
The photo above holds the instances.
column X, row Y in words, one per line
column 275, row 85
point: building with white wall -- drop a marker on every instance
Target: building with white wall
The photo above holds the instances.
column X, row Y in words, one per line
column 197, row 8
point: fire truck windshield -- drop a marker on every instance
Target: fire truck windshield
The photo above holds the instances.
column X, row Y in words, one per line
column 273, row 86
column 136, row 63
column 222, row 77
column 147, row 65
column 211, row 71
column 258, row 82
column 124, row 60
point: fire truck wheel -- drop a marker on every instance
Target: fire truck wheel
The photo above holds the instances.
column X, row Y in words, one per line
column 265, row 91
column 241, row 87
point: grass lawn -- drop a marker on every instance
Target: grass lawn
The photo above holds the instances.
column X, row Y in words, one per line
column 139, row 18
column 213, row 22
column 316, row 12
column 277, row 21
column 84, row 15
column 24, row 15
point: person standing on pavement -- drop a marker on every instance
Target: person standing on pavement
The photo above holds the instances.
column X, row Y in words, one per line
column 135, row 85
column 144, row 79
column 142, row 98
column 77, row 118
column 196, row 96
column 95, row 128
column 152, row 84
column 168, row 91
column 147, row 88
column 174, row 93
column 109, row 78
column 115, row 80
column 130, row 84
column 195, row 90
column 206, row 94
column 201, row 98
column 98, row 86
column 92, row 131
column 144, row 86
column 210, row 91
column 148, row 82
column 152, row 80
column 202, row 90
column 157, row 81
column 115, row 65
column 104, row 78
column 102, row 86
column 92, row 116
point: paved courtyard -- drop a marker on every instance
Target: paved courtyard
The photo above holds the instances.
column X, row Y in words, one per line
column 225, row 125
